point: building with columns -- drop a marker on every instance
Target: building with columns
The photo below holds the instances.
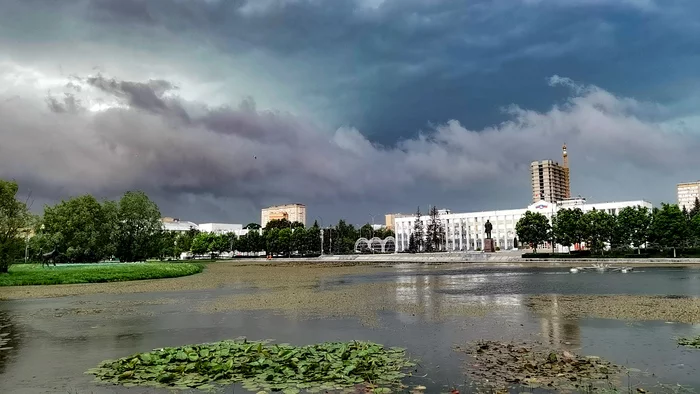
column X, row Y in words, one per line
column 465, row 231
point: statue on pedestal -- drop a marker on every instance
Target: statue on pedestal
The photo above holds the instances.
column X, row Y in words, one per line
column 487, row 229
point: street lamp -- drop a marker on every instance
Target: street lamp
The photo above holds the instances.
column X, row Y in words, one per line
column 321, row 220
column 371, row 233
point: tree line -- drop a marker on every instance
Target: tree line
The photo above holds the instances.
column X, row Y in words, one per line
column 427, row 237
column 665, row 227
column 84, row 230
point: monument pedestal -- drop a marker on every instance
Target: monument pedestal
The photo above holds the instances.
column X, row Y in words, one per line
column 489, row 245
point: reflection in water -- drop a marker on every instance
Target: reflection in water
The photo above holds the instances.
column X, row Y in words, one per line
column 556, row 330
column 434, row 293
column 9, row 340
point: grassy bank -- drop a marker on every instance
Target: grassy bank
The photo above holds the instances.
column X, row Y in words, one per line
column 34, row 274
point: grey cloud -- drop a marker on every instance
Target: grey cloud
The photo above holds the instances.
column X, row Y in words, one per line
column 212, row 155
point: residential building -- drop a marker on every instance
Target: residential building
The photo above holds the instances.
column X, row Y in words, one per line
column 291, row 212
column 550, row 181
column 389, row 219
column 687, row 193
column 465, row 231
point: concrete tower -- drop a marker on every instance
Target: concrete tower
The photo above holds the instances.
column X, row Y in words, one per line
column 567, row 180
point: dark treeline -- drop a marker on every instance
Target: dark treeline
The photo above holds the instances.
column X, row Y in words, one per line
column 85, row 230
column 654, row 231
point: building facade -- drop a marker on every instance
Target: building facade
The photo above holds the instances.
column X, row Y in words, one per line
column 465, row 231
column 175, row 224
column 223, row 228
column 550, row 181
column 687, row 193
column 291, row 212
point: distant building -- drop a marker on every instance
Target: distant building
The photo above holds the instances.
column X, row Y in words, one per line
column 687, row 193
column 291, row 212
column 223, row 228
column 465, row 231
column 550, row 181
column 175, row 224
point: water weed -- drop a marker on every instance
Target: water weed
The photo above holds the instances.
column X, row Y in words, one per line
column 261, row 366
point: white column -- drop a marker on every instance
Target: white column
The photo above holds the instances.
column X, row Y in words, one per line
column 461, row 233
column 498, row 231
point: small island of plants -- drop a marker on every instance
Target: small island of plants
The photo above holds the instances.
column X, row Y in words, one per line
column 34, row 274
column 261, row 366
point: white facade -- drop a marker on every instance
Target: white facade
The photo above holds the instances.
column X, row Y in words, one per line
column 179, row 226
column 465, row 231
column 687, row 193
column 223, row 228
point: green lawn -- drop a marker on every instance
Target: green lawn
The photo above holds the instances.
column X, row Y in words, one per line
column 34, row 274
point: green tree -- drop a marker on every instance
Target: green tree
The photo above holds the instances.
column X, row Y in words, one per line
column 138, row 219
column 599, row 227
column 165, row 244
column 568, row 228
column 220, row 243
column 533, row 229
column 313, row 239
column 80, row 229
column 367, row 231
column 255, row 241
column 184, row 240
column 281, row 223
column 633, row 226
column 284, row 241
column 202, row 243
column 435, row 233
column 384, row 233
column 272, row 244
column 300, row 241
column 252, row 226
column 695, row 211
column 14, row 217
column 412, row 243
column 669, row 227
column 418, row 234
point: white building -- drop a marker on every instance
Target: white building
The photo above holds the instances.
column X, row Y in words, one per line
column 174, row 224
column 465, row 231
column 687, row 193
column 223, row 228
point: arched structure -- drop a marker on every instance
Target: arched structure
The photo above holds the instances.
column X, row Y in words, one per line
column 375, row 245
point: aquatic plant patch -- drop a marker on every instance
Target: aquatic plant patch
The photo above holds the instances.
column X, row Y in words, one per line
column 261, row 365
column 498, row 365
column 35, row 274
column 692, row 342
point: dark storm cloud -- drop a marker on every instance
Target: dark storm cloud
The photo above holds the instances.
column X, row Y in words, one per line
column 421, row 85
column 262, row 157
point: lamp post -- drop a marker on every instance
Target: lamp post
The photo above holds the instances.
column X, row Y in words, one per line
column 321, row 220
column 371, row 233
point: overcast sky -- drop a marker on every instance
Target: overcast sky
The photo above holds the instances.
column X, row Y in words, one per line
column 352, row 107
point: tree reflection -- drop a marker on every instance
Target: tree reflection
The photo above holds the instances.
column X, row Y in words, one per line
column 9, row 340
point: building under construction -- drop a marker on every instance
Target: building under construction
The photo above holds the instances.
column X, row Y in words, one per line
column 550, row 181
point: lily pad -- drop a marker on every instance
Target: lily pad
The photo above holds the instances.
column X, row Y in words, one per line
column 261, row 366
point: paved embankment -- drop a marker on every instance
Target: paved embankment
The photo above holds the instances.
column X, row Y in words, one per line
column 476, row 257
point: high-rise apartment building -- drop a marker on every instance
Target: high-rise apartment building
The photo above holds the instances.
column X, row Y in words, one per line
column 291, row 212
column 550, row 181
column 687, row 193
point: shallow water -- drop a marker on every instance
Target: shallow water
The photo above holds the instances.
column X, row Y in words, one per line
column 53, row 341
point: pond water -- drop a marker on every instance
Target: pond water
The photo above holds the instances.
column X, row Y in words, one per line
column 49, row 343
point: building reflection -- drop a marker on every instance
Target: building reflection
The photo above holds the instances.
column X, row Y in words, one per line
column 557, row 330
column 433, row 295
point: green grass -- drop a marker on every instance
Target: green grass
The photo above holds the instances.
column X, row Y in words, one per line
column 34, row 274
